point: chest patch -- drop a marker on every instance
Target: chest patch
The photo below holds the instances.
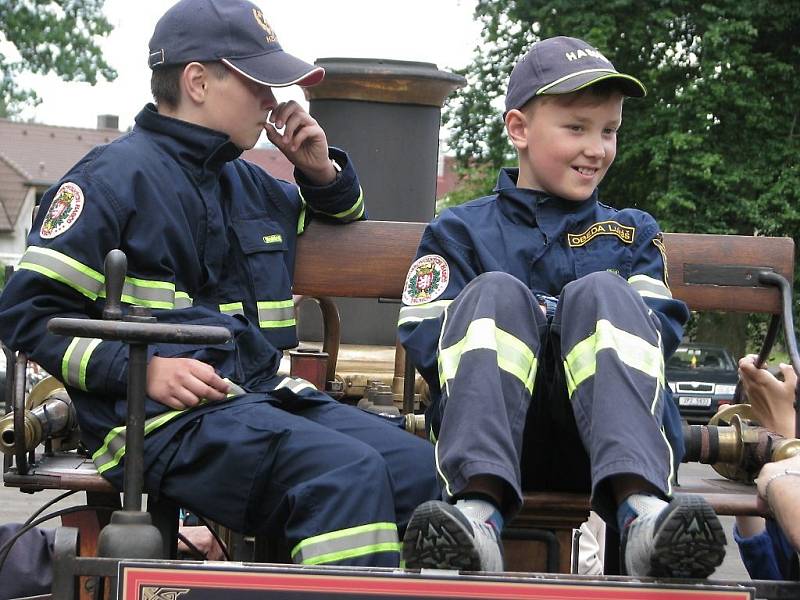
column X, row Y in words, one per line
column 65, row 209
column 426, row 280
column 623, row 232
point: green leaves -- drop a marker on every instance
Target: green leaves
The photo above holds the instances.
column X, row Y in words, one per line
column 58, row 36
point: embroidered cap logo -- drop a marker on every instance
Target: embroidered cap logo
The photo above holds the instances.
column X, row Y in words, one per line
column 262, row 22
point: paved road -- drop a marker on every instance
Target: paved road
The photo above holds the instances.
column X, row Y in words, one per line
column 16, row 506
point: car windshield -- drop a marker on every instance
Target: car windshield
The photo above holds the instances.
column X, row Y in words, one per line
column 710, row 359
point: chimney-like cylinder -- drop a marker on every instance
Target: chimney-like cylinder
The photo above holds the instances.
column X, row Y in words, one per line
column 386, row 114
column 108, row 122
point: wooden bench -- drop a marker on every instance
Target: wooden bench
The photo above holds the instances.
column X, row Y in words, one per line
column 708, row 272
column 370, row 260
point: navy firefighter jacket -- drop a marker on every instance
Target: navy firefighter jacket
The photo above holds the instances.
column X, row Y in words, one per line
column 545, row 242
column 210, row 239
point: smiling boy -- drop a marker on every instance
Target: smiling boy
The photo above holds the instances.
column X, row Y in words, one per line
column 542, row 334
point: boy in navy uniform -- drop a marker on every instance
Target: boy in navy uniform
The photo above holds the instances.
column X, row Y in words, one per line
column 540, row 319
column 211, row 239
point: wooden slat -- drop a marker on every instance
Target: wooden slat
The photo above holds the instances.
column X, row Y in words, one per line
column 687, row 252
column 370, row 259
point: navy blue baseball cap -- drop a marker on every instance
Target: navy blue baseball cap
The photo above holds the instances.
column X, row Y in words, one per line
column 561, row 65
column 234, row 32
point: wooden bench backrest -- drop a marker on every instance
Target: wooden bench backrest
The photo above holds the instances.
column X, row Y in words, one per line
column 370, row 259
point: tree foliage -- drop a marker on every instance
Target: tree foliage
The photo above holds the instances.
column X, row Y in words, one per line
column 713, row 147
column 58, row 36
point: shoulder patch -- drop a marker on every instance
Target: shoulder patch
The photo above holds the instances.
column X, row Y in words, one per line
column 427, row 279
column 624, row 232
column 65, row 209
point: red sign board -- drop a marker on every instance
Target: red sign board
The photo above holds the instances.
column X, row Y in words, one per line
column 187, row 581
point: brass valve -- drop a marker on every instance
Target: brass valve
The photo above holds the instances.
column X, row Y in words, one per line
column 735, row 445
column 49, row 414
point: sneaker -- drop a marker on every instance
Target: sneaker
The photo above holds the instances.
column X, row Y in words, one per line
column 439, row 536
column 684, row 539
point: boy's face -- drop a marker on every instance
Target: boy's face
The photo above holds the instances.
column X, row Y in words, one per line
column 239, row 107
column 566, row 145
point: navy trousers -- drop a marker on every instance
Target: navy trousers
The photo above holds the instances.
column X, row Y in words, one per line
column 561, row 405
column 336, row 483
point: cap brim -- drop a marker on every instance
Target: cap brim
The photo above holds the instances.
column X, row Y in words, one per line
column 277, row 69
column 630, row 86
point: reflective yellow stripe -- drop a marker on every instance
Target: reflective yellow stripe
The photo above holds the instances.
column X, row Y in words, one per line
column 62, row 268
column 420, row 312
column 114, row 444
column 354, row 212
column 75, row 361
column 65, row 269
column 513, row 356
column 232, row 308
column 581, row 362
column 276, row 313
column 648, row 287
column 347, row 543
column 183, row 300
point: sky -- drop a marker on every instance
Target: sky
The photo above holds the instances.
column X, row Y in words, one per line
column 442, row 32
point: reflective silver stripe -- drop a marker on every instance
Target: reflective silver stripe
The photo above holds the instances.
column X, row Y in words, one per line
column 232, row 308
column 415, row 314
column 183, row 300
column 295, row 384
column 76, row 360
column 61, row 267
column 649, row 287
column 91, row 283
column 347, row 543
column 155, row 294
column 276, row 313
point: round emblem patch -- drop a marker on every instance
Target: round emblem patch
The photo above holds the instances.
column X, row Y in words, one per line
column 64, row 210
column 426, row 280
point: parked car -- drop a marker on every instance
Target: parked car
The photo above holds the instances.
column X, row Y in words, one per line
column 702, row 377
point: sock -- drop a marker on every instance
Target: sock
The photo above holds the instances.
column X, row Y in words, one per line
column 482, row 511
column 636, row 505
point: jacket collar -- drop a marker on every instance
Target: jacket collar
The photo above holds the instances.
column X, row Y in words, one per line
column 534, row 207
column 205, row 151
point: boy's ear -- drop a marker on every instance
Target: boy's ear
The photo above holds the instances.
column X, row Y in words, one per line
column 194, row 80
column 517, row 128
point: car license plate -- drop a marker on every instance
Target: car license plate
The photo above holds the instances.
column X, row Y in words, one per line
column 704, row 401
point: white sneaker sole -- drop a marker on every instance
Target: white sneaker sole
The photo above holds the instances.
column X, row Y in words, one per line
column 438, row 536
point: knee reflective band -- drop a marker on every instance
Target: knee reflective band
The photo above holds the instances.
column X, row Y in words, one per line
column 232, row 308
column 513, row 356
column 581, row 362
column 347, row 543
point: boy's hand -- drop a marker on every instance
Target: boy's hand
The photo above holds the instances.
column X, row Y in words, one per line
column 772, row 400
column 303, row 141
column 181, row 382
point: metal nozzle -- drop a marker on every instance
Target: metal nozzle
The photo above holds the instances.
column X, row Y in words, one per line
column 53, row 416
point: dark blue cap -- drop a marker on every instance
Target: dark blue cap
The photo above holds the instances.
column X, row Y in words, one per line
column 561, row 65
column 234, row 32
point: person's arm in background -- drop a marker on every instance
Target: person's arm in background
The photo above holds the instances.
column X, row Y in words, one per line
column 763, row 546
